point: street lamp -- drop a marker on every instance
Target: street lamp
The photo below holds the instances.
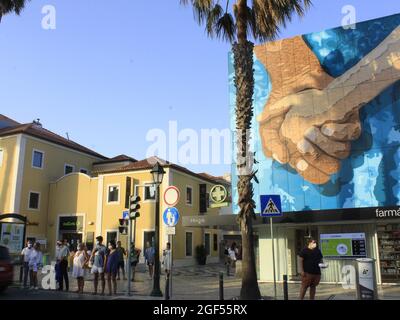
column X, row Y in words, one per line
column 158, row 174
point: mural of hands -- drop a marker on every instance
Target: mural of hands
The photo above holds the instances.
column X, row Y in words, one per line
column 311, row 122
column 312, row 143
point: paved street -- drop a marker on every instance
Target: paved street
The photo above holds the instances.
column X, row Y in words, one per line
column 189, row 283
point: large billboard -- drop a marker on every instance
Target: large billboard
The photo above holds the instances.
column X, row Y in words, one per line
column 326, row 127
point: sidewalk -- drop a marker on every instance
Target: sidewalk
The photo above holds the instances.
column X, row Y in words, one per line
column 202, row 283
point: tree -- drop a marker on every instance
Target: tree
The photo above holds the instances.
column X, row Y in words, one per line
column 261, row 20
column 11, row 6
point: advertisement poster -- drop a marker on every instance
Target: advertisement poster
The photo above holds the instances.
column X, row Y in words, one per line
column 12, row 237
column 343, row 245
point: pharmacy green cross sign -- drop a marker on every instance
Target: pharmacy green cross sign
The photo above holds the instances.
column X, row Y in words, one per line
column 218, row 195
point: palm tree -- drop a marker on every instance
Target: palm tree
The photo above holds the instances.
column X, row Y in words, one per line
column 261, row 20
column 10, row 6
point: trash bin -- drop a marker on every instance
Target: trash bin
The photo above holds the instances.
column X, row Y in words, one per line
column 366, row 288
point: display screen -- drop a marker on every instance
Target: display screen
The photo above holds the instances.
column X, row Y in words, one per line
column 343, row 245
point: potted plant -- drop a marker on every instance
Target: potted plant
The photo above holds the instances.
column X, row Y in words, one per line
column 201, row 254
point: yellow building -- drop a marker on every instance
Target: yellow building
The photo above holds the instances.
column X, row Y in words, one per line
column 68, row 191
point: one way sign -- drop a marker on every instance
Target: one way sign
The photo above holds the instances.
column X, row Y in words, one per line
column 271, row 206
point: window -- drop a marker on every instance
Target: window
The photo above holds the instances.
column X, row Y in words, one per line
column 189, row 244
column 84, row 171
column 37, row 159
column 215, row 242
column 68, row 168
column 1, row 157
column 207, row 243
column 189, row 194
column 34, row 198
column 111, row 236
column 113, row 194
column 149, row 192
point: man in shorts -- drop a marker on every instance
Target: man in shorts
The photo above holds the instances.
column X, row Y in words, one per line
column 98, row 258
column 310, row 258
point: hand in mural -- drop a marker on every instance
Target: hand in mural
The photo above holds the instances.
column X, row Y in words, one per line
column 312, row 129
column 311, row 142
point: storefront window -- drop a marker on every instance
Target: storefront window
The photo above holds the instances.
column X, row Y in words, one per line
column 389, row 252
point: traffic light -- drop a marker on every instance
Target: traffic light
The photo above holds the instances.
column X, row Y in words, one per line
column 123, row 226
column 134, row 207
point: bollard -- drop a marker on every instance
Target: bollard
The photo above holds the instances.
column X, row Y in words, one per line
column 285, row 287
column 167, row 287
column 221, row 286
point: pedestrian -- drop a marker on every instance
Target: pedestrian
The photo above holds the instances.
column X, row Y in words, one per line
column 310, row 258
column 233, row 252
column 26, row 252
column 227, row 260
column 167, row 259
column 98, row 263
column 78, row 269
column 35, row 262
column 121, row 260
column 62, row 259
column 57, row 267
column 134, row 259
column 112, row 268
column 149, row 258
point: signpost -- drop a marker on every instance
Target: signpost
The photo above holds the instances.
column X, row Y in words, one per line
column 271, row 207
column 170, row 218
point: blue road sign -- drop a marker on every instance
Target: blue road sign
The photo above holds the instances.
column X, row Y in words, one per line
column 171, row 217
column 125, row 214
column 271, row 205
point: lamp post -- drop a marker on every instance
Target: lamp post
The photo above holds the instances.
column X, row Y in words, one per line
column 158, row 174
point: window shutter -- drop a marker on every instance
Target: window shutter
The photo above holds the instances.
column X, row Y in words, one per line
column 203, row 198
column 128, row 191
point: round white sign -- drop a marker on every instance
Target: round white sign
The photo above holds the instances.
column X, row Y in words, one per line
column 171, row 196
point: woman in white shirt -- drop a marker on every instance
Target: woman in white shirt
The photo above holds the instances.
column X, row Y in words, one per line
column 35, row 262
column 167, row 261
column 78, row 270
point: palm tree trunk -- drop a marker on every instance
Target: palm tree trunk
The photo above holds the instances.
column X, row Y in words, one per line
column 244, row 83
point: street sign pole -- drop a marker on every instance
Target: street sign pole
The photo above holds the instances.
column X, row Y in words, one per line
column 273, row 254
column 129, row 258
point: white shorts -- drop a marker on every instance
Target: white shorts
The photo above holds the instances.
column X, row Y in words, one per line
column 96, row 269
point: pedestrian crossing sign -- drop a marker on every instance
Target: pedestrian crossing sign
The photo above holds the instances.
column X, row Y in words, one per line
column 271, row 206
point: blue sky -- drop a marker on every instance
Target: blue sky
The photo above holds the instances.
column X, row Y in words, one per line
column 108, row 75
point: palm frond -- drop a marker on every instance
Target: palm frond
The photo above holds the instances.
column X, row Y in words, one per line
column 212, row 19
column 9, row 6
column 271, row 15
column 201, row 9
column 225, row 28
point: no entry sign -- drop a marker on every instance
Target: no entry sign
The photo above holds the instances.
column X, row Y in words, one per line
column 171, row 196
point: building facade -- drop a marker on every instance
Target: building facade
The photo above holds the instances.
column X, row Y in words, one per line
column 326, row 137
column 67, row 191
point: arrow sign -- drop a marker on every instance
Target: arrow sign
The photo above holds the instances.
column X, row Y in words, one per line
column 271, row 206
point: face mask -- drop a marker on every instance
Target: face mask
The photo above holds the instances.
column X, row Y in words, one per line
column 29, row 245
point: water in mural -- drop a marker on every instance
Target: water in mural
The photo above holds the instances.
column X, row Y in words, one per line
column 327, row 118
